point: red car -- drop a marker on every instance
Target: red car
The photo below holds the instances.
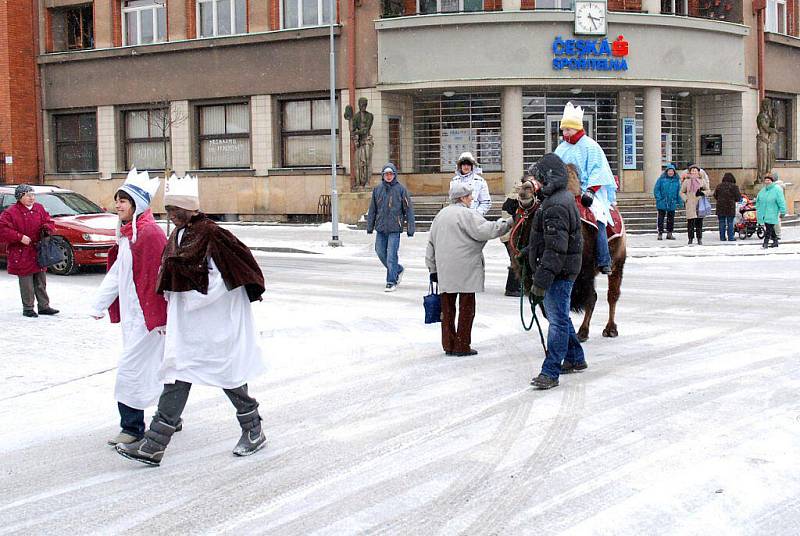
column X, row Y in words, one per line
column 84, row 231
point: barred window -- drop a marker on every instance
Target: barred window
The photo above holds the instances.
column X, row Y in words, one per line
column 444, row 127
column 146, row 138
column 224, row 136
column 76, row 142
column 781, row 109
column 677, row 130
column 306, row 132
column 144, row 21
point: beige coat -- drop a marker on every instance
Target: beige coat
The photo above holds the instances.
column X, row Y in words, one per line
column 455, row 247
column 692, row 200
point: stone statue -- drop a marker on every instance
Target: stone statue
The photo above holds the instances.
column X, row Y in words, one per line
column 765, row 140
column 360, row 126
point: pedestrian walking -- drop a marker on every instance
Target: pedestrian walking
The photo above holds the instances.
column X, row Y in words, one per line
column 694, row 185
column 782, row 185
column 208, row 278
column 128, row 292
column 727, row 195
column 454, row 257
column 555, row 251
column 389, row 208
column 22, row 226
column 467, row 173
column 598, row 186
column 770, row 207
column 668, row 200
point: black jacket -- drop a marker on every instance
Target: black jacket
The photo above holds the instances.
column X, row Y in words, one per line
column 727, row 194
column 556, row 245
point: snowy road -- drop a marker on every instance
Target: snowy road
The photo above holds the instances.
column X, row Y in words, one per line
column 688, row 423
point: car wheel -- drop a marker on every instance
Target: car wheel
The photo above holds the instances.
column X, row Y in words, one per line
column 67, row 266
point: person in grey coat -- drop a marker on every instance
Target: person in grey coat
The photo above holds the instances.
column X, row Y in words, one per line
column 454, row 258
column 389, row 208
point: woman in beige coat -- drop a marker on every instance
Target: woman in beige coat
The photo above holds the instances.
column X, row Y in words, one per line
column 455, row 260
column 694, row 185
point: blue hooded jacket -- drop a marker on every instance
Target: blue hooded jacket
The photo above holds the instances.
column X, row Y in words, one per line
column 667, row 191
column 390, row 206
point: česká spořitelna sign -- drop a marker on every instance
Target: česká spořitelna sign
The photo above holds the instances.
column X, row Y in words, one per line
column 590, row 54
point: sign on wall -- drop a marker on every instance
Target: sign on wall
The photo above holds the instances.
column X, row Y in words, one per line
column 628, row 143
column 590, row 54
column 454, row 141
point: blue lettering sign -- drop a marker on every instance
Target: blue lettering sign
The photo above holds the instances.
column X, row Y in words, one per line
column 586, row 55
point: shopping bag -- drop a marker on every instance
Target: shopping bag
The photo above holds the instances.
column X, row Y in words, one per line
column 48, row 253
column 703, row 207
column 433, row 305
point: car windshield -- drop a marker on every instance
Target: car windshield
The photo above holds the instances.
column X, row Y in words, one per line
column 67, row 204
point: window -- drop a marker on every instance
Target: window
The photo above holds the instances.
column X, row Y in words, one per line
column 776, row 16
column 394, row 142
column 146, row 138
column 299, row 13
column 781, row 112
column 425, row 7
column 675, row 7
column 224, row 136
column 144, row 21
column 564, row 5
column 72, row 28
column 76, row 142
column 221, row 17
column 306, row 132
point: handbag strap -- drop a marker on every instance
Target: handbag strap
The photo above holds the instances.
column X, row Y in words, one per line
column 431, row 288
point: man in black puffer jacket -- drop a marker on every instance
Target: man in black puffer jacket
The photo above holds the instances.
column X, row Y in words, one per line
column 554, row 253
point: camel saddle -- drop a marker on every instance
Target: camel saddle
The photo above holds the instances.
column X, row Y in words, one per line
column 614, row 229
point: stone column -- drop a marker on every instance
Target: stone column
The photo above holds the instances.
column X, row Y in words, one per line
column 104, row 25
column 652, row 137
column 261, row 119
column 511, row 136
column 651, row 6
column 181, row 138
column 512, row 5
column 106, row 142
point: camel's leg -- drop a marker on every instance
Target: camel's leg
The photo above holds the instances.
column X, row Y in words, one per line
column 588, row 309
column 614, row 286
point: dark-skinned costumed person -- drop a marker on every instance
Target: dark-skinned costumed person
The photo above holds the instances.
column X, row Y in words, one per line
column 554, row 254
column 209, row 279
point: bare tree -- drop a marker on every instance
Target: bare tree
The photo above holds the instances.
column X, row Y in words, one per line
column 163, row 117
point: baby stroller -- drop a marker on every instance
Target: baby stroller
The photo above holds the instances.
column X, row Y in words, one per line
column 747, row 222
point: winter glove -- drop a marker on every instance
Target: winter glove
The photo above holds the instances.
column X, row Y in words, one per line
column 587, row 198
column 434, row 277
column 537, row 295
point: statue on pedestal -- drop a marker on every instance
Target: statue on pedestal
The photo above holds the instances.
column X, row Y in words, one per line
column 360, row 126
column 765, row 140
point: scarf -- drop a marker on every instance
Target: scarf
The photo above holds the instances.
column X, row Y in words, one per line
column 694, row 184
column 575, row 137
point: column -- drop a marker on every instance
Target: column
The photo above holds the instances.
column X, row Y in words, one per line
column 651, row 6
column 261, row 119
column 511, row 136
column 104, row 25
column 512, row 5
column 181, row 138
column 796, row 129
column 652, row 137
column 106, row 142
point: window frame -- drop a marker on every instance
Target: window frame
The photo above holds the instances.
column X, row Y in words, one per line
column 214, row 20
column 311, row 132
column 460, row 7
column 154, row 7
column 126, row 141
column 320, row 14
column 772, row 20
column 788, row 126
column 236, row 135
column 82, row 9
column 674, row 11
column 57, row 144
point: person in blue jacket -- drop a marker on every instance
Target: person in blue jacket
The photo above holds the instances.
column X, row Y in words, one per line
column 389, row 208
column 668, row 200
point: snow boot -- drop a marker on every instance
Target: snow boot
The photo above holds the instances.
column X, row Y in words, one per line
column 543, row 381
column 149, row 450
column 124, row 438
column 699, row 241
column 253, row 438
column 661, row 236
column 567, row 367
column 48, row 311
column 670, row 237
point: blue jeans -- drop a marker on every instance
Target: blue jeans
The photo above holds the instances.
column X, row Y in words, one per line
column 603, row 255
column 386, row 246
column 562, row 341
column 726, row 224
column 131, row 420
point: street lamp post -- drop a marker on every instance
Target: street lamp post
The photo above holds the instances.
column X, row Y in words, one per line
column 334, row 241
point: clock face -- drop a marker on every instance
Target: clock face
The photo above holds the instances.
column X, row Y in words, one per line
column 590, row 18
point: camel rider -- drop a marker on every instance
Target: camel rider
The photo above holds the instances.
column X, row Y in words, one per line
column 597, row 180
column 466, row 173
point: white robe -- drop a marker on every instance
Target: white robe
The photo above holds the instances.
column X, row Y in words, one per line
column 211, row 338
column 138, row 381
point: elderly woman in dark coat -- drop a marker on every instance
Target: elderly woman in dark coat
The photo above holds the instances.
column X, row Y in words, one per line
column 727, row 195
column 21, row 227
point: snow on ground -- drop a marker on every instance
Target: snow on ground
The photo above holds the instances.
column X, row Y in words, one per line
column 688, row 423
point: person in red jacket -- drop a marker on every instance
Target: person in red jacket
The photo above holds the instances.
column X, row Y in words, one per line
column 22, row 225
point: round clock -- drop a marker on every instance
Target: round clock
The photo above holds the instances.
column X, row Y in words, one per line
column 590, row 18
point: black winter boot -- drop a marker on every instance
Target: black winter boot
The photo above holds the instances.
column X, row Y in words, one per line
column 670, row 237
column 253, row 438
column 661, row 236
column 543, row 381
column 151, row 449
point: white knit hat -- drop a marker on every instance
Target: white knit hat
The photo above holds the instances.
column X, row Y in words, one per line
column 142, row 190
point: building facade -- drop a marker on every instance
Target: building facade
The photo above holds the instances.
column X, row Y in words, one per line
column 237, row 91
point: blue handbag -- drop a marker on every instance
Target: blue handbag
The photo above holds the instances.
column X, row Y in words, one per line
column 703, row 207
column 433, row 305
column 48, row 253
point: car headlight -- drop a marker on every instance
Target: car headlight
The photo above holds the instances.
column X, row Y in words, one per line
column 89, row 237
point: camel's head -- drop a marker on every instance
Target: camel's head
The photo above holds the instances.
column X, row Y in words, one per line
column 573, row 179
column 527, row 192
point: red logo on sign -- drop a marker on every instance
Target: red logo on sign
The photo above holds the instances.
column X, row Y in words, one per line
column 619, row 47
